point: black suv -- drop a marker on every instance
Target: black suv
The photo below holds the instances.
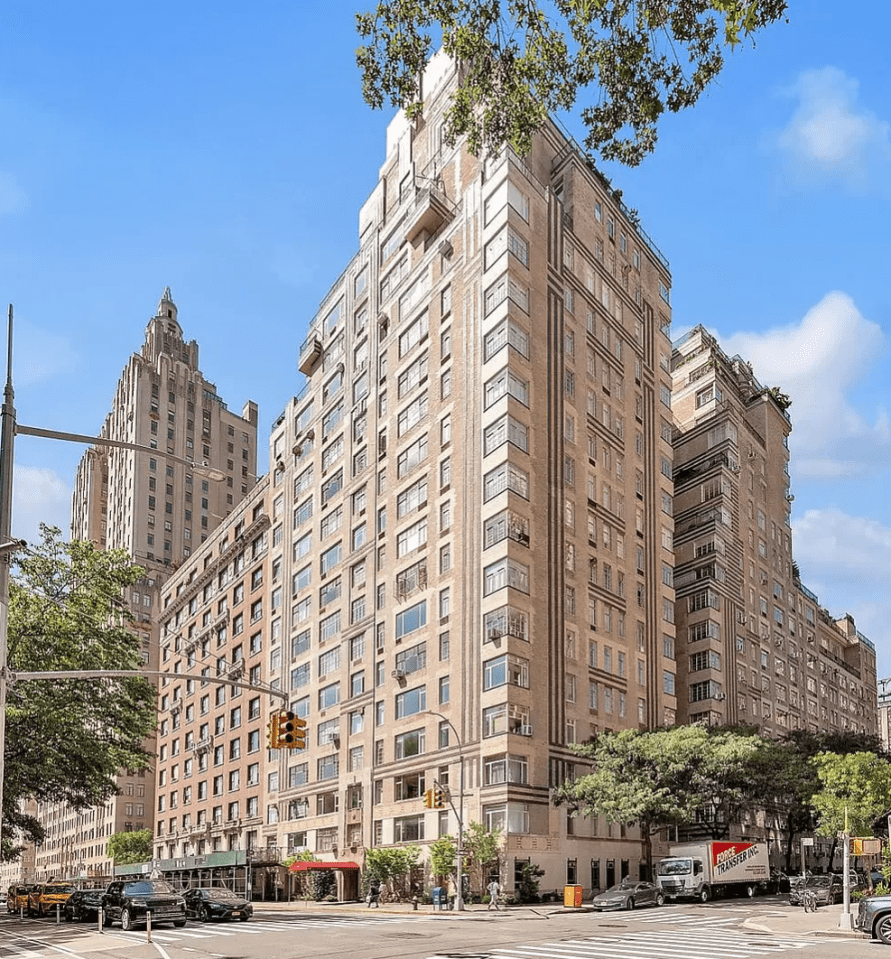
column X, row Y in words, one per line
column 129, row 902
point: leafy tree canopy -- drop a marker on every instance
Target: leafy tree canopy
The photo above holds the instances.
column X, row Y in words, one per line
column 856, row 788
column 482, row 851
column 521, row 60
column 667, row 776
column 130, row 847
column 67, row 739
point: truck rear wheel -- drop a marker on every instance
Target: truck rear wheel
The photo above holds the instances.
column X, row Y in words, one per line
column 750, row 892
column 705, row 894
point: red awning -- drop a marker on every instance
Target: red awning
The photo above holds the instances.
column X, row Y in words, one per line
column 303, row 866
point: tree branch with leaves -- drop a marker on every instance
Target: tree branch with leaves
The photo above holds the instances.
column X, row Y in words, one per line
column 626, row 62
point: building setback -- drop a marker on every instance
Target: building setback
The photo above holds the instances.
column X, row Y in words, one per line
column 469, row 553
column 159, row 511
column 755, row 647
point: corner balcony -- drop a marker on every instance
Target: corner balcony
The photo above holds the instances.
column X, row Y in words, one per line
column 431, row 209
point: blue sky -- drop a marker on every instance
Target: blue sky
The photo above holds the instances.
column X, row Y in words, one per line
column 224, row 150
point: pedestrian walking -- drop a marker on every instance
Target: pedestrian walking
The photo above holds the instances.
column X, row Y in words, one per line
column 452, row 892
column 494, row 889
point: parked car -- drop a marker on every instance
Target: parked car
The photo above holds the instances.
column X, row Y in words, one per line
column 629, row 894
column 129, row 902
column 84, row 904
column 874, row 918
column 43, row 899
column 828, row 890
column 216, row 903
column 17, row 896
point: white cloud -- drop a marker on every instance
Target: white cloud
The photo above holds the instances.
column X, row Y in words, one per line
column 819, row 362
column 846, row 561
column 39, row 496
column 12, row 196
column 830, row 134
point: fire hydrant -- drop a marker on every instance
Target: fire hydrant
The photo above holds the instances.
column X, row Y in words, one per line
column 414, row 903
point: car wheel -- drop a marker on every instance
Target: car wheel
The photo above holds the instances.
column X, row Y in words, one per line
column 179, row 923
column 660, row 899
column 126, row 920
column 203, row 914
column 883, row 929
column 243, row 918
column 630, row 903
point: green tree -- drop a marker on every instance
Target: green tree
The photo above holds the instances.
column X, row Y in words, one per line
column 855, row 789
column 793, row 779
column 527, row 882
column 442, row 859
column 129, row 847
column 67, row 739
column 392, row 868
column 668, row 776
column 299, row 886
column 521, row 60
column 482, row 853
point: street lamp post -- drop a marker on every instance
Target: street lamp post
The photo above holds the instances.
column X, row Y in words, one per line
column 459, row 812
column 8, row 431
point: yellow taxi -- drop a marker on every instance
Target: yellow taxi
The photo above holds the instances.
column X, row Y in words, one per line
column 44, row 898
column 17, row 897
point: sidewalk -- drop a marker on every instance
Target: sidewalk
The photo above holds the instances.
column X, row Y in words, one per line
column 793, row 920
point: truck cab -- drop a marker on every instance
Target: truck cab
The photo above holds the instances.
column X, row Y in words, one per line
column 680, row 876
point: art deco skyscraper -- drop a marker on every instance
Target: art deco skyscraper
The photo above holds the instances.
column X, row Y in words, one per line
column 158, row 510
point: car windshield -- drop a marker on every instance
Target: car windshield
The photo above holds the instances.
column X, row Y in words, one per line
column 626, row 884
column 675, row 867
column 146, row 888
column 820, row 881
column 58, row 890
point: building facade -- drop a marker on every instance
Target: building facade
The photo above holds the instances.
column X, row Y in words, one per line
column 755, row 645
column 159, row 510
column 470, row 517
column 884, row 711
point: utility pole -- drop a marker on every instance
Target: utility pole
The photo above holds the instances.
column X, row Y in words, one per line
column 459, row 846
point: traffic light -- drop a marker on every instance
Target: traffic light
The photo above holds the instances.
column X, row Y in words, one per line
column 274, row 727
column 438, row 797
column 292, row 734
column 428, row 799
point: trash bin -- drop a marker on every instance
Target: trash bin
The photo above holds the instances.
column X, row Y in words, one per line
column 572, row 896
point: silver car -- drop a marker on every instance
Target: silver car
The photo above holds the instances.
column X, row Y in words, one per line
column 629, row 894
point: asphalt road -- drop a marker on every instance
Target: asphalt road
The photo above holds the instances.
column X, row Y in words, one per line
column 713, row 931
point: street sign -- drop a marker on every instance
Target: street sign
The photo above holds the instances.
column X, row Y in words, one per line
column 807, row 841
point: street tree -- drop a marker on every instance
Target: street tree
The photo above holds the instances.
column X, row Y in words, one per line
column 391, row 867
column 793, row 779
column 626, row 62
column 665, row 777
column 482, row 852
column 67, row 739
column 442, row 859
column 855, row 789
column 126, row 848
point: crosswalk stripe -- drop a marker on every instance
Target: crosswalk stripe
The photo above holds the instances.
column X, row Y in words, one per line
column 662, row 945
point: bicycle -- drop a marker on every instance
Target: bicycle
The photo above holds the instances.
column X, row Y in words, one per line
column 809, row 901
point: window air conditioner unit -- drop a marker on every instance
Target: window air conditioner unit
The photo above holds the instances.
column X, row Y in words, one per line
column 525, row 730
column 398, row 674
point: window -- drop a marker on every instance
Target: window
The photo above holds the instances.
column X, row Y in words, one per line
column 504, row 430
column 409, row 744
column 411, row 702
column 410, row 620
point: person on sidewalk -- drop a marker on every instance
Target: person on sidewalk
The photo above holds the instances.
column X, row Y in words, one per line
column 494, row 889
column 452, row 892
